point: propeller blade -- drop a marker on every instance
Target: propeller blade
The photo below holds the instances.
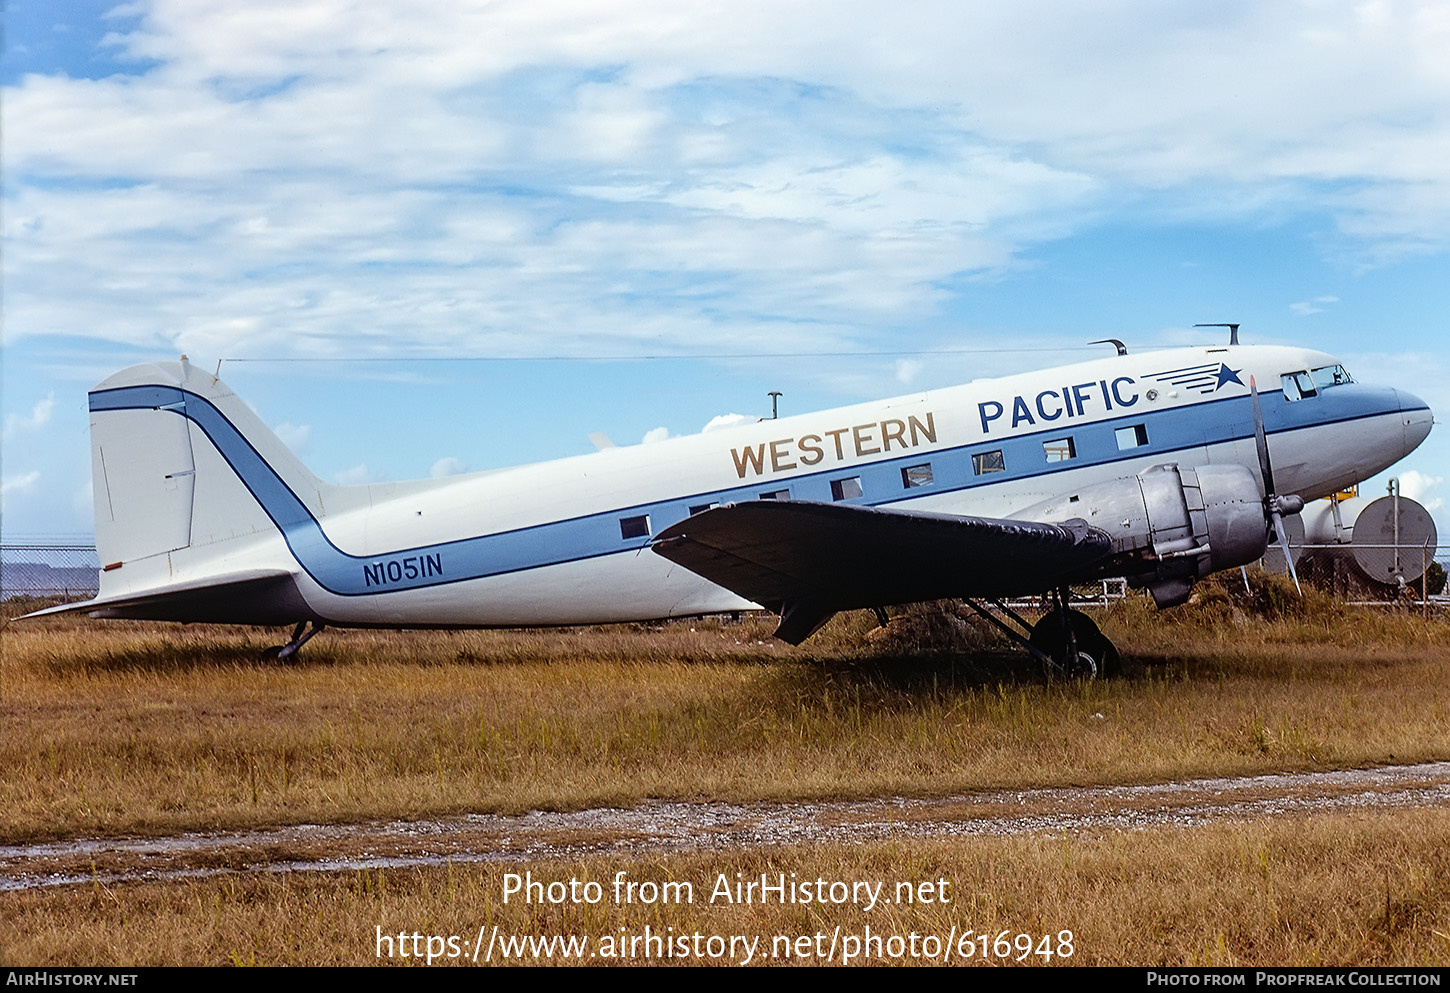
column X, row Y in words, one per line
column 1261, row 440
column 1284, row 547
column 1271, row 497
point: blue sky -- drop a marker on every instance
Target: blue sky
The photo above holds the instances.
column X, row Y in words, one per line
column 428, row 238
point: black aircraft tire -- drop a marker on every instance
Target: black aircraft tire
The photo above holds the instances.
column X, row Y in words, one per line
column 1049, row 638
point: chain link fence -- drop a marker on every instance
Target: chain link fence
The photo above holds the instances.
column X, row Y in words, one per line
column 69, row 570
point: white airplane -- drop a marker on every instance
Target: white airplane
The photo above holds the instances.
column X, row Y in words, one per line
column 1152, row 466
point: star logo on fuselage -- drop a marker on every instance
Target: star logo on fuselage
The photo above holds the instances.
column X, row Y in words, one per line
column 1227, row 375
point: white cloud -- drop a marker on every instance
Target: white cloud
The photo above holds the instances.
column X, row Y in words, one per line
column 294, row 436
column 15, row 485
column 907, row 370
column 720, row 421
column 1315, row 306
column 1422, row 488
column 38, row 418
column 655, row 434
column 358, row 475
column 447, row 466
column 83, row 501
column 316, row 177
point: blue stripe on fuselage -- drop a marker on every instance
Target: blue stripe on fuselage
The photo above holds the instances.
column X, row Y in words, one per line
column 557, row 542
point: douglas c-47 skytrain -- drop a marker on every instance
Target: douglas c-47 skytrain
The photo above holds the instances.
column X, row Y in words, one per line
column 1153, row 466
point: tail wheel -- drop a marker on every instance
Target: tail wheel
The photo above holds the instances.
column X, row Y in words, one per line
column 1095, row 655
column 287, row 652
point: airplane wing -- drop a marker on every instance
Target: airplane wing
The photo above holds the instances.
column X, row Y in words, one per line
column 808, row 560
column 255, row 596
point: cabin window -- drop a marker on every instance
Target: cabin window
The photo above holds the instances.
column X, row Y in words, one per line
column 846, row 489
column 1132, row 436
column 1298, row 385
column 916, row 475
column 700, row 508
column 1059, row 450
column 984, row 462
column 775, row 495
column 634, row 527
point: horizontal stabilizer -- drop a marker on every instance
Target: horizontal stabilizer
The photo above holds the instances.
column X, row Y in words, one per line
column 257, row 596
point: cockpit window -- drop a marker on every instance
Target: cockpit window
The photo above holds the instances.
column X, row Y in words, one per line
column 1298, row 385
column 1330, row 375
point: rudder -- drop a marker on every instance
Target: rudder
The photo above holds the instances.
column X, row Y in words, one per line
column 162, row 482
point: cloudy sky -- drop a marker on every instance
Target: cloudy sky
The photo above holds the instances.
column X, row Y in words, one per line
column 426, row 238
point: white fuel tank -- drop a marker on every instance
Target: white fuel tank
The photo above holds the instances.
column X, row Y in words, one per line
column 1385, row 539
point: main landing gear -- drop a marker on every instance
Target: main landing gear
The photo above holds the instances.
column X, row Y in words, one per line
column 1072, row 639
column 284, row 653
column 1065, row 641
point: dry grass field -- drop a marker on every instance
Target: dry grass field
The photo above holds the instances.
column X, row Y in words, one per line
column 1334, row 889
column 129, row 728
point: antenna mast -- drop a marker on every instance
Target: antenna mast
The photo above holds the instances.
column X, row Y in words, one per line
column 1233, row 331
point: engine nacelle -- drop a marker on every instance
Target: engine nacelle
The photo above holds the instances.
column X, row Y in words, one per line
column 1170, row 526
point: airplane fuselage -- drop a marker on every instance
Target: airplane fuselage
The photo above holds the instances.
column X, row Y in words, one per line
column 567, row 542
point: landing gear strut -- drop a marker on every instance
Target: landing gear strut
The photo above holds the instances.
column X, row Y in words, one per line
column 283, row 653
column 1065, row 641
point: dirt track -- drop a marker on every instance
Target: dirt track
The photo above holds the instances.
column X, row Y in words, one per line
column 678, row 827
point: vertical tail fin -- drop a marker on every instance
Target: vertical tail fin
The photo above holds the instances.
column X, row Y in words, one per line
column 175, row 457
